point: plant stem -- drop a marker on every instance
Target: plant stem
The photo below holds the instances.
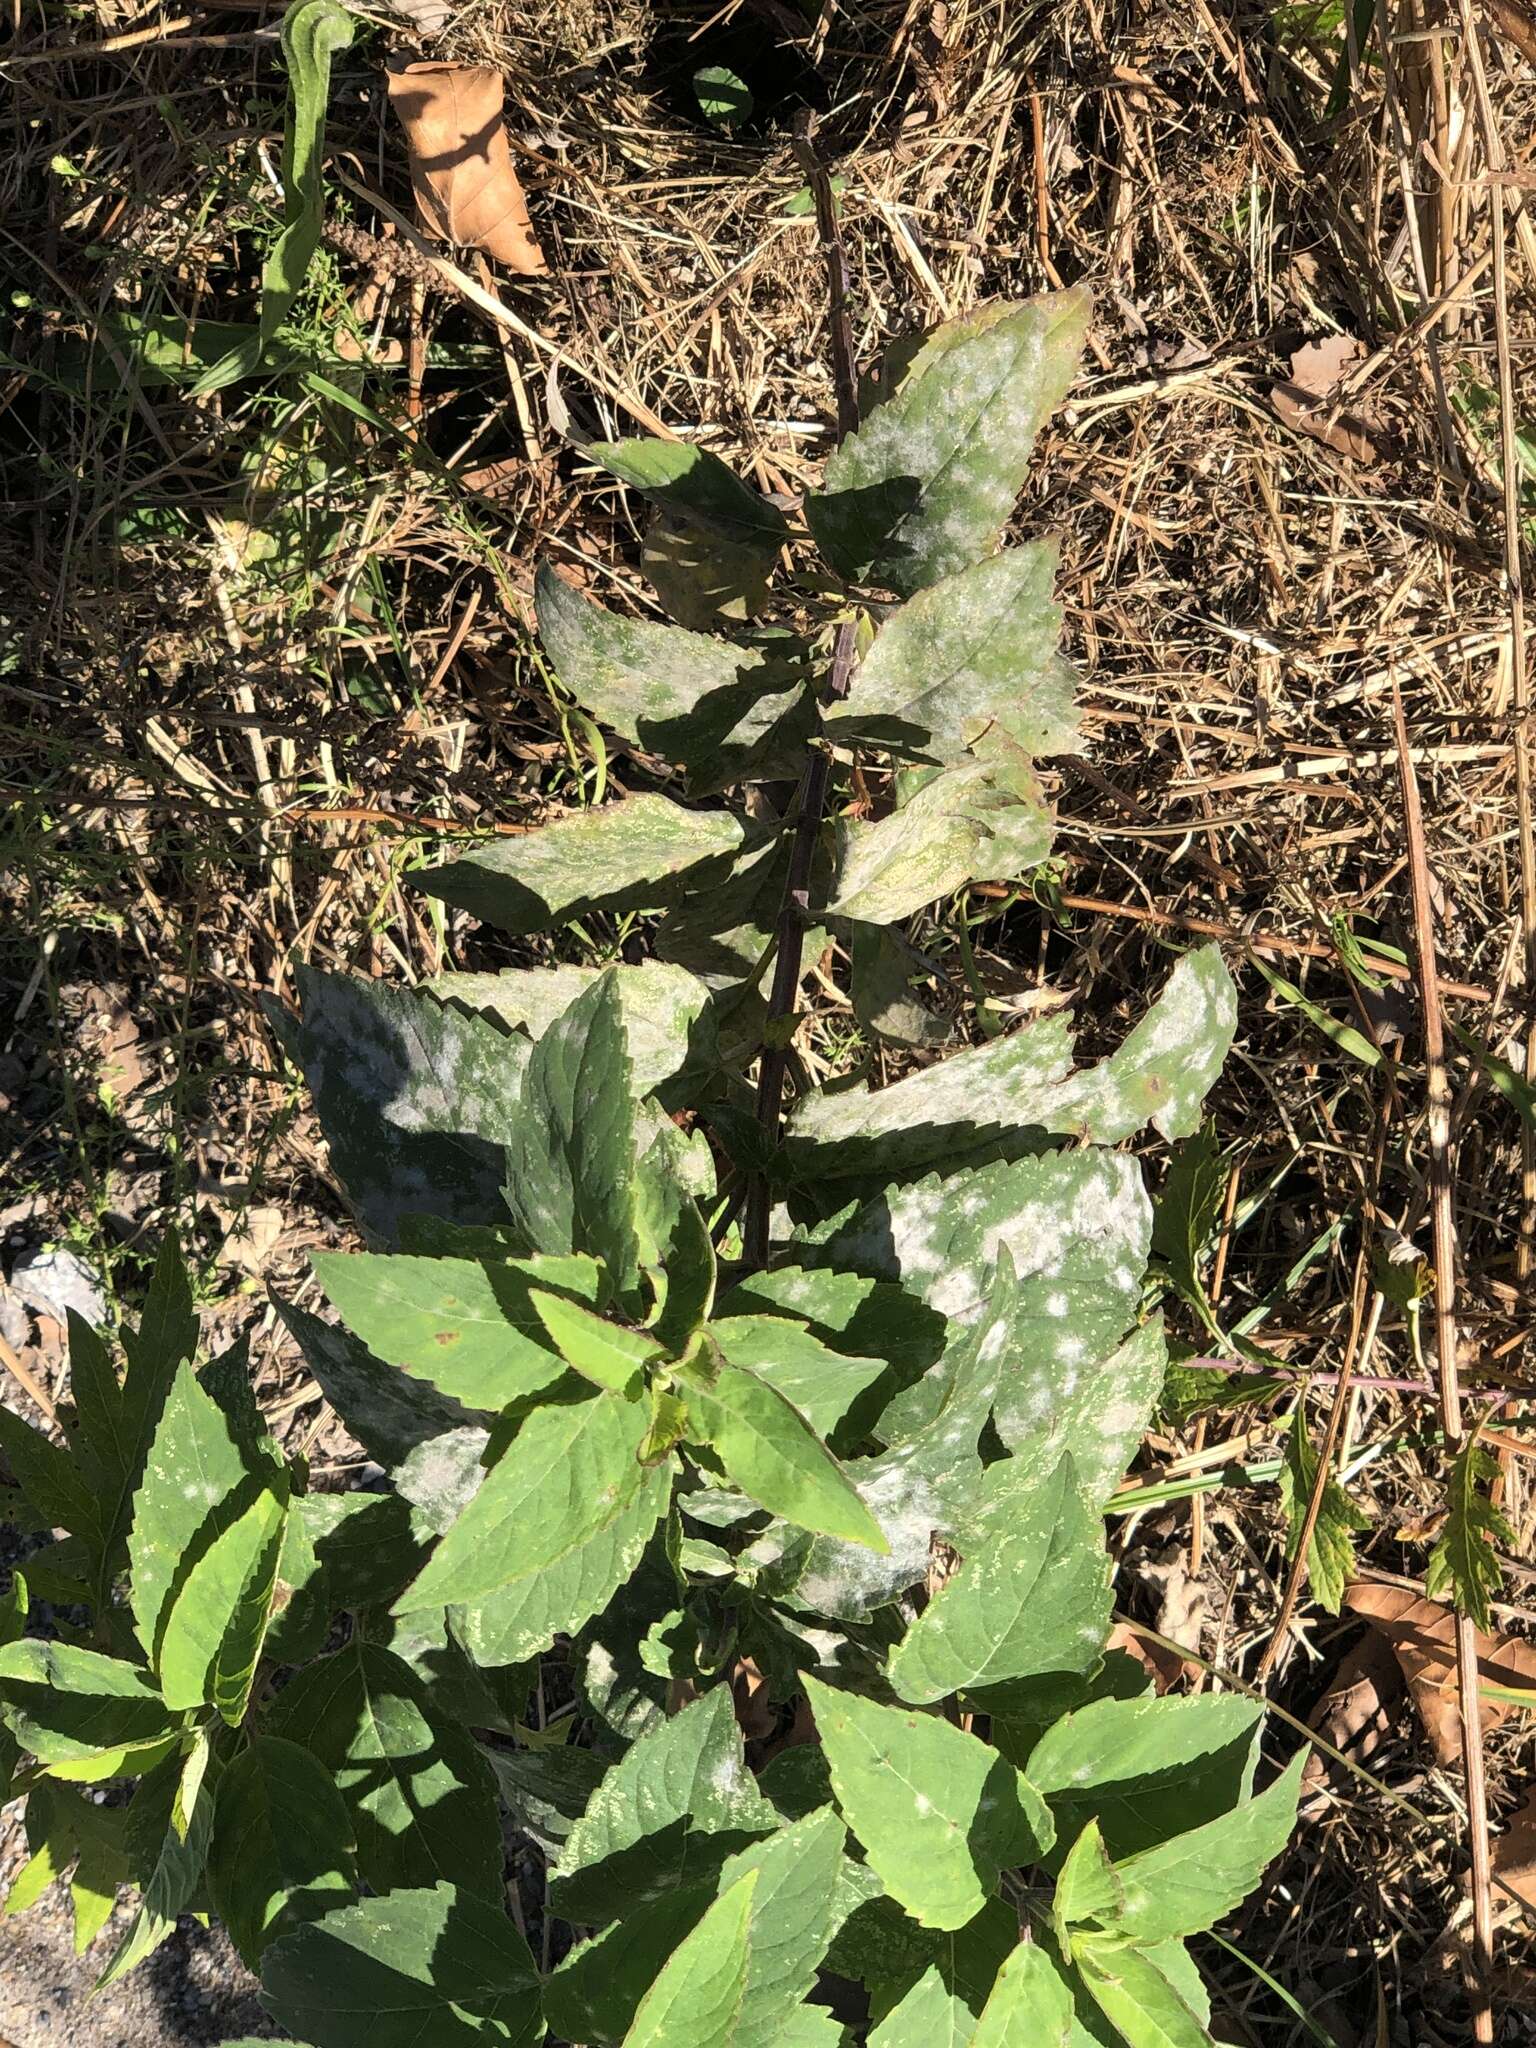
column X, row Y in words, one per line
column 794, row 910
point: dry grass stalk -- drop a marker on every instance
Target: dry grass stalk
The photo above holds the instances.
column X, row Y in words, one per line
column 1442, row 1213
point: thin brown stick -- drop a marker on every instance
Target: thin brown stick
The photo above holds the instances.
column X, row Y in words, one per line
column 1442, row 1212
column 27, row 1380
column 1509, row 464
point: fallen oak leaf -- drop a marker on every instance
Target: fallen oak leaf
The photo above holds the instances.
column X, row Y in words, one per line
column 1358, row 1711
column 1304, row 401
column 461, row 162
column 1423, row 1635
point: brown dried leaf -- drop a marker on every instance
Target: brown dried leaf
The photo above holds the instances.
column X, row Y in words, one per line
column 1514, row 1856
column 1305, row 402
column 1515, row 21
column 1164, row 1666
column 1423, row 1635
column 461, row 165
column 1358, row 1711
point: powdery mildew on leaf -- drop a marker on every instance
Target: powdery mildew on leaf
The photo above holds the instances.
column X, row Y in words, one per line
column 980, row 821
column 416, row 1099
column 624, row 856
column 976, row 650
column 666, row 1028
column 725, row 712
column 924, row 487
column 643, row 1829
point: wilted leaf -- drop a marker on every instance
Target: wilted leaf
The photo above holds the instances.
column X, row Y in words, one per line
column 705, row 578
column 632, row 855
column 461, row 164
column 881, row 974
column 1306, row 402
column 973, row 653
column 926, row 484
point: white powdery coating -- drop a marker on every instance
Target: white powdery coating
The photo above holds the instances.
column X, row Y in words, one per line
column 987, row 1085
column 840, row 1577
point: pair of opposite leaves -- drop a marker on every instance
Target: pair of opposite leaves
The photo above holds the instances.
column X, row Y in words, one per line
column 461, row 163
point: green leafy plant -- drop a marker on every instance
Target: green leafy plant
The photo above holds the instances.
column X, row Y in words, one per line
column 680, row 1399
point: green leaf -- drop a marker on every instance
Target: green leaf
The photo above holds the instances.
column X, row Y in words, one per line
column 770, row 1451
column 881, row 972
column 787, row 1932
column 705, row 578
column 821, row 1384
column 667, row 1815
column 689, row 479
column 794, row 1911
column 929, row 2015
column 668, row 1025
column 548, row 1788
column 925, row 486
column 1137, row 1999
column 178, row 1869
column 466, row 1326
column 571, row 1183
column 701, row 1987
column 939, row 1813
column 100, row 1870
column 594, row 1994
column 83, row 1716
column 1146, row 1769
column 1185, row 1885
column 605, row 1353
column 391, row 1413
column 973, row 653
column 633, row 855
column 419, row 1791
column 439, row 1966
column 1186, row 1216
column 723, row 98
column 569, row 1473
column 727, row 713
column 313, row 30
column 416, row 1098
column 1344, row 1036
column 53, row 1482
column 282, row 1844
column 1331, row 1550
column 980, row 821
column 207, row 1533
column 1088, row 1893
column 1030, row 2006
column 1464, row 1561
column 525, row 1615
column 1032, row 1599
column 116, row 1422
